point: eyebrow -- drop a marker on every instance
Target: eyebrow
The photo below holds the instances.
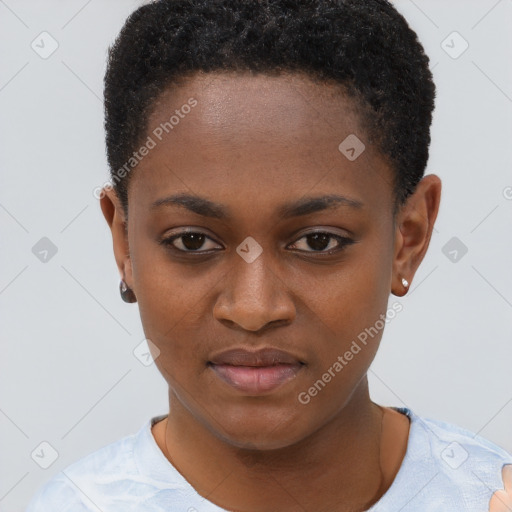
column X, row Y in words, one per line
column 303, row 206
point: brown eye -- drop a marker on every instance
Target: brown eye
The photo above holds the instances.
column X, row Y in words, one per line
column 190, row 241
column 320, row 241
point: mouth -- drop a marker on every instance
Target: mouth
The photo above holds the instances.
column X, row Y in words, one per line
column 258, row 372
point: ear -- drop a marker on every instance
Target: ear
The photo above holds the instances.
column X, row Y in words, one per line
column 413, row 229
column 115, row 217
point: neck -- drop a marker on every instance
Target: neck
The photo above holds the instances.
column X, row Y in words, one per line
column 342, row 458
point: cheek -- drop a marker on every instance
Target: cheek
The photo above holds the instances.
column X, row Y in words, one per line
column 172, row 310
column 165, row 291
column 175, row 327
column 351, row 309
column 354, row 298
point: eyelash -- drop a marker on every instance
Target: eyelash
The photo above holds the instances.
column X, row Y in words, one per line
column 343, row 242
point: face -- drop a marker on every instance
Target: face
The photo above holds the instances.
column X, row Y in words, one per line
column 232, row 244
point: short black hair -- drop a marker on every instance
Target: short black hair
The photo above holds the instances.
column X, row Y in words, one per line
column 366, row 46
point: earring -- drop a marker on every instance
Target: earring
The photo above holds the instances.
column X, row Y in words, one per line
column 126, row 293
column 405, row 282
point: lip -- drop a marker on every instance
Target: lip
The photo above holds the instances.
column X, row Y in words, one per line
column 255, row 372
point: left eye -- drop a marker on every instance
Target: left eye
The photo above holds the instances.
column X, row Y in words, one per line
column 188, row 242
column 321, row 241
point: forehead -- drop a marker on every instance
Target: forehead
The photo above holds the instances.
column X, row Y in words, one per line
column 262, row 132
column 288, row 104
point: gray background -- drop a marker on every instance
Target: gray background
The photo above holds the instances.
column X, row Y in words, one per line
column 68, row 374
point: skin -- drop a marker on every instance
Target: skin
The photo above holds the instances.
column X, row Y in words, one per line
column 253, row 143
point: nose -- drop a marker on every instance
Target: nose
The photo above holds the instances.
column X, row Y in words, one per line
column 254, row 295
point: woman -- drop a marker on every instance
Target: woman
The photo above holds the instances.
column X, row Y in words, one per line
column 268, row 194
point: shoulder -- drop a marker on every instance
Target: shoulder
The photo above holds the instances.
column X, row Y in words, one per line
column 73, row 489
column 457, row 466
column 57, row 495
column 458, row 448
column 131, row 474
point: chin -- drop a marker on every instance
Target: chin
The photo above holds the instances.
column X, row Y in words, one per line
column 261, row 431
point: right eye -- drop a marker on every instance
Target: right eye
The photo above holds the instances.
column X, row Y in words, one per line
column 188, row 241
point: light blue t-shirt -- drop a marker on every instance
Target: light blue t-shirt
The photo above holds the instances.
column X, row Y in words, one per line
column 445, row 469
